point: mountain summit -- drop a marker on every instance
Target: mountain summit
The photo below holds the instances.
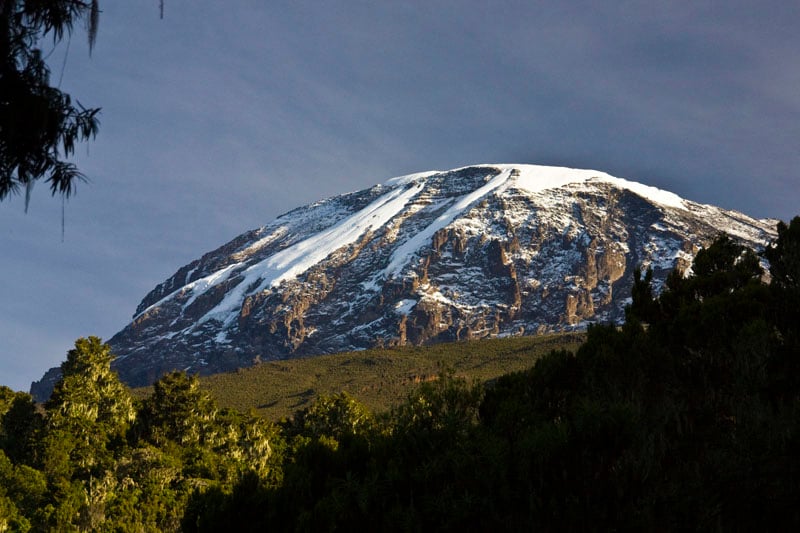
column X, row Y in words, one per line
column 468, row 253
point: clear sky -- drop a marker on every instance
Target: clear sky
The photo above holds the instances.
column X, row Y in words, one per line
column 224, row 115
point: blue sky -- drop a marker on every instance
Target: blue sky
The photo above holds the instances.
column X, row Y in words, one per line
column 224, row 115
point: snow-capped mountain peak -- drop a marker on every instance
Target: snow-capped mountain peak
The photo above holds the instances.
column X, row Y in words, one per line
column 483, row 250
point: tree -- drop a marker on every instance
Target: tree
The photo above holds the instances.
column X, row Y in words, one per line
column 178, row 410
column 332, row 416
column 19, row 427
column 784, row 256
column 40, row 124
column 784, row 267
column 448, row 405
column 89, row 405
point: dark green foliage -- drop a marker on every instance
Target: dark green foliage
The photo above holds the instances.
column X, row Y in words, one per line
column 88, row 413
column 20, row 424
column 685, row 418
column 337, row 416
column 24, row 488
column 39, row 124
column 446, row 405
column 784, row 260
column 380, row 378
column 89, row 392
column 178, row 411
column 408, row 470
column 96, row 462
column 784, row 256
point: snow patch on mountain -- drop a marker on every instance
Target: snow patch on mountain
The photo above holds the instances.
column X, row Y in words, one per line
column 401, row 256
column 404, row 307
column 298, row 258
column 411, row 178
column 196, row 287
column 537, row 178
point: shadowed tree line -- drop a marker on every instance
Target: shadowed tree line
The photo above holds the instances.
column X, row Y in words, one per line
column 685, row 417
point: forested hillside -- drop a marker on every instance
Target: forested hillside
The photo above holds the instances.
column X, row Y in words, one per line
column 686, row 417
column 380, row 378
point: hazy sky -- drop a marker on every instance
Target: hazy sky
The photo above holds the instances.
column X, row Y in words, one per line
column 224, row 115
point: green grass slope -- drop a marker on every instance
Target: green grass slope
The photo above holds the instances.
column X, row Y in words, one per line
column 379, row 378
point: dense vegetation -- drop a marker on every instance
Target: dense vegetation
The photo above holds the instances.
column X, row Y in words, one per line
column 379, row 378
column 686, row 417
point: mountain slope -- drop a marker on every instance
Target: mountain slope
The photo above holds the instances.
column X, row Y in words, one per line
column 468, row 253
column 378, row 378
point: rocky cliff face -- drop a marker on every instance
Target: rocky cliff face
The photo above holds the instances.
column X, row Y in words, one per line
column 438, row 256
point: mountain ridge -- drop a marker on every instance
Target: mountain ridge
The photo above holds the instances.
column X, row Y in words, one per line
column 478, row 251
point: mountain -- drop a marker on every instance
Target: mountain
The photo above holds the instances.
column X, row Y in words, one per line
column 487, row 250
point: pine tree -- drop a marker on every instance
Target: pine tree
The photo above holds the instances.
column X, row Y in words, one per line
column 179, row 411
column 90, row 409
column 89, row 392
